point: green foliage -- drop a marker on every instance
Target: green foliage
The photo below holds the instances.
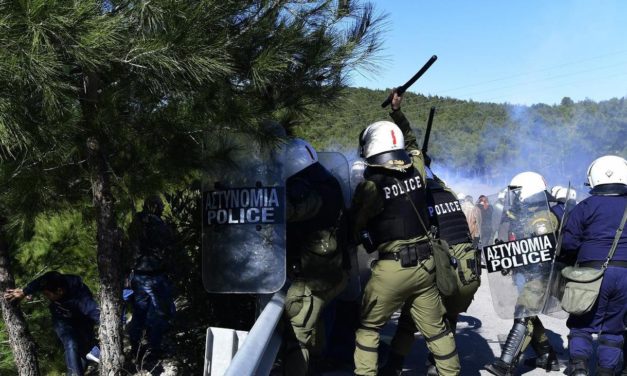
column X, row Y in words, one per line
column 145, row 79
column 485, row 140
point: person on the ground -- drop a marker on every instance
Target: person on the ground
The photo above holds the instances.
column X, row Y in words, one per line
column 151, row 242
column 529, row 215
column 390, row 214
column 316, row 241
column 74, row 313
column 590, row 231
column 446, row 214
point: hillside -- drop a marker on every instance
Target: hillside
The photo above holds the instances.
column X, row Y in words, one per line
column 487, row 141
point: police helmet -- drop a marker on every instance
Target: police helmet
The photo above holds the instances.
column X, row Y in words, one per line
column 382, row 143
column 560, row 193
column 527, row 184
column 299, row 155
column 608, row 169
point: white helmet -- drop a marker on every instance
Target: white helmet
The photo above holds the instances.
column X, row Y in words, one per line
column 529, row 183
column 608, row 169
column 299, row 155
column 383, row 142
column 461, row 196
column 559, row 193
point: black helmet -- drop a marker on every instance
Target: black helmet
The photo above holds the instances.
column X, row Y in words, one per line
column 153, row 205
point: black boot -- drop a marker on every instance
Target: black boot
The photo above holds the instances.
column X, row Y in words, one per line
column 431, row 368
column 394, row 365
column 578, row 367
column 605, row 371
column 546, row 357
column 506, row 365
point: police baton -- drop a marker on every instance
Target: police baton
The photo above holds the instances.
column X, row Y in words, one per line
column 401, row 89
column 425, row 142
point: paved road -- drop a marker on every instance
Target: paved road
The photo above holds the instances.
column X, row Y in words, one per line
column 478, row 336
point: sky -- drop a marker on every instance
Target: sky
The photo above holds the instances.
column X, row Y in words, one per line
column 519, row 52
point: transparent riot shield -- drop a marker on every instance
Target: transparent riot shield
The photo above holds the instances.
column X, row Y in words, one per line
column 557, row 283
column 337, row 164
column 520, row 258
column 243, row 208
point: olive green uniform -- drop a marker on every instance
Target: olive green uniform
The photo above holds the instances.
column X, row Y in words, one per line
column 533, row 291
column 530, row 328
column 468, row 280
column 314, row 267
column 392, row 285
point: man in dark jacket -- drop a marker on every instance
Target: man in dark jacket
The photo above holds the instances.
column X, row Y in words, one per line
column 74, row 315
column 151, row 242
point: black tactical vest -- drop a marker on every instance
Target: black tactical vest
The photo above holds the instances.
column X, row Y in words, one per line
column 446, row 213
column 398, row 221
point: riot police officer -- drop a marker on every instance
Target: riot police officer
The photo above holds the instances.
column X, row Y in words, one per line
column 315, row 246
column 590, row 231
column 446, row 214
column 390, row 216
column 560, row 194
column 528, row 191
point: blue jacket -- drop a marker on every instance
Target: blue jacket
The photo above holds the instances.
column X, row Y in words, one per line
column 591, row 227
column 77, row 304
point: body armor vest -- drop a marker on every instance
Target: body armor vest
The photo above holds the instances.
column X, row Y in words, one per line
column 398, row 220
column 446, row 213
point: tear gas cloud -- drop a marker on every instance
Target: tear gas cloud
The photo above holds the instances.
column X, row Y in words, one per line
column 559, row 152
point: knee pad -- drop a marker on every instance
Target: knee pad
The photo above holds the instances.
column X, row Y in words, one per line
column 443, row 337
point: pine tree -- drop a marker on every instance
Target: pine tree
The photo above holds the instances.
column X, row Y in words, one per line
column 108, row 97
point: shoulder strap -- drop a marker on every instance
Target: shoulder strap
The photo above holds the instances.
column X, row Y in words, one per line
column 424, row 227
column 619, row 232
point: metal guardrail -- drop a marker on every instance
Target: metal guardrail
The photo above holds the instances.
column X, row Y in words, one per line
column 257, row 354
column 257, row 350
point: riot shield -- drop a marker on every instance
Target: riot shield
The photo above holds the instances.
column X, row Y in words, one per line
column 520, row 258
column 337, row 164
column 557, row 283
column 243, row 233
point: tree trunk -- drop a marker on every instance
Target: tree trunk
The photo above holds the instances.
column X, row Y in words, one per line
column 20, row 340
column 109, row 262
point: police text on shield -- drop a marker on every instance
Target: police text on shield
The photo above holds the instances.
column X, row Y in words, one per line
column 259, row 205
column 514, row 254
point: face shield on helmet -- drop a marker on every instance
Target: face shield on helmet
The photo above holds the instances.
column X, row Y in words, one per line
column 608, row 169
column 382, row 144
column 527, row 186
column 299, row 155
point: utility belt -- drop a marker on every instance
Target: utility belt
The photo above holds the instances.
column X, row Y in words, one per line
column 599, row 263
column 409, row 255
